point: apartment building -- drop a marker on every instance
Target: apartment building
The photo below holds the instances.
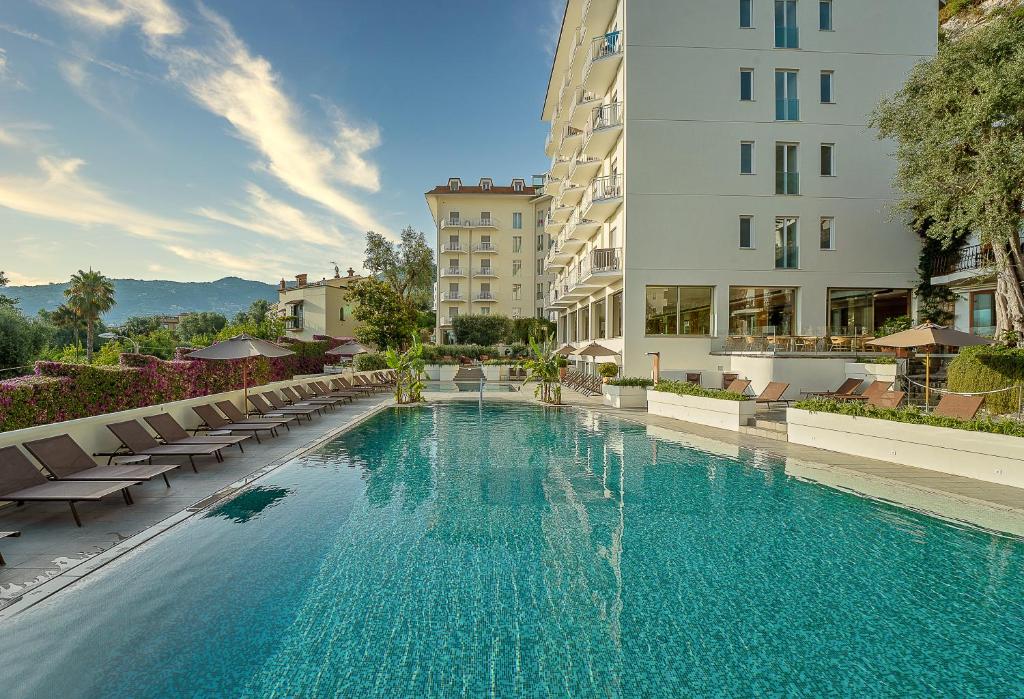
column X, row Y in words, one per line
column 317, row 308
column 715, row 182
column 490, row 250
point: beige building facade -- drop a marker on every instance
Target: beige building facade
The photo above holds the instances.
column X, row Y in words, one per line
column 317, row 308
column 491, row 243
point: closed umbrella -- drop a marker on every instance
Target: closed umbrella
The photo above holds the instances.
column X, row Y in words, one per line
column 240, row 347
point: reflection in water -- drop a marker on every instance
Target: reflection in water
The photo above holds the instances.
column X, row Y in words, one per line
column 249, row 504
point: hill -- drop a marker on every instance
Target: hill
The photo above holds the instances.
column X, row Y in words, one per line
column 137, row 297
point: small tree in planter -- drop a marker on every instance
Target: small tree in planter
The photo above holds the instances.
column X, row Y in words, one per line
column 408, row 367
column 543, row 367
column 608, row 370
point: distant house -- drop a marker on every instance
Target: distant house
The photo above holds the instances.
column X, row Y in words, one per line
column 317, row 308
column 171, row 322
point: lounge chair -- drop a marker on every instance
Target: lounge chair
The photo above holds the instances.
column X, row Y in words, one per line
column 322, row 389
column 238, row 417
column 370, row 383
column 171, row 431
column 845, row 389
column 280, row 403
column 300, row 396
column 891, row 399
column 773, row 393
column 66, row 461
column 346, row 386
column 264, row 407
column 877, row 388
column 21, row 482
column 4, row 535
column 739, row 386
column 959, row 407
column 212, row 420
column 313, row 392
column 137, row 441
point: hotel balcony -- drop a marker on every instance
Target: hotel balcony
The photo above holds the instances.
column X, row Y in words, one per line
column 445, row 321
column 485, row 247
column 452, row 297
column 293, row 323
column 485, row 297
column 969, row 262
column 580, row 230
column 570, row 193
column 485, row 272
column 602, row 198
column 452, row 272
column 603, row 61
column 561, row 212
column 454, row 248
column 582, row 107
column 584, row 169
column 570, row 140
column 560, row 166
column 469, row 223
column 601, row 268
column 550, row 143
column 603, row 130
column 552, row 225
column 597, row 14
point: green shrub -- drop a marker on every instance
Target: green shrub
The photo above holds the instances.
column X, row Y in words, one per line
column 880, row 359
column 988, row 368
column 370, row 361
column 912, row 416
column 895, row 325
column 641, row 381
column 684, row 388
column 608, row 370
column 481, row 329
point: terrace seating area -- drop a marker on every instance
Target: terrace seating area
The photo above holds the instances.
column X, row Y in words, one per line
column 799, row 343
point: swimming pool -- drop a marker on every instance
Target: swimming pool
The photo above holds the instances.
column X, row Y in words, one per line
column 512, row 551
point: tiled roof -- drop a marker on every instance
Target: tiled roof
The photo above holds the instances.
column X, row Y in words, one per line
column 476, row 189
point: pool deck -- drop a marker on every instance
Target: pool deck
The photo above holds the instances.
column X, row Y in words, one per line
column 52, row 553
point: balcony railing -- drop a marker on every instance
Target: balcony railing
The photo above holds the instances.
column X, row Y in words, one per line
column 569, row 132
column 607, row 187
column 605, row 260
column 605, row 117
column 484, row 296
column 485, row 272
column 787, row 109
column 605, row 45
column 787, row 183
column 293, row 323
column 445, row 321
column 470, row 223
column 452, row 272
column 787, row 37
column 453, row 247
column 966, row 259
column 485, row 247
column 452, row 296
column 787, row 257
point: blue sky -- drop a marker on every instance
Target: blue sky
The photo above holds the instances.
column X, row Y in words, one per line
column 172, row 139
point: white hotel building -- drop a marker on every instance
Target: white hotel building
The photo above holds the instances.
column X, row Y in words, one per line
column 715, row 185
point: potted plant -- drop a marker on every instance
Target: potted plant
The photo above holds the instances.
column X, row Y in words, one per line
column 607, row 370
column 563, row 367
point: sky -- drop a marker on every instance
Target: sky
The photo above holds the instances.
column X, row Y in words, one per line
column 185, row 140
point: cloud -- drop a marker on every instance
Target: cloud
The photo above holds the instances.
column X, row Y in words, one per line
column 102, row 95
column 271, row 217
column 5, row 71
column 155, row 17
column 61, row 193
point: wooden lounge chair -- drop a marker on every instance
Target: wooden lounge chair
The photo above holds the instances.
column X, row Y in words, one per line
column 21, row 482
column 64, row 460
column 136, row 440
column 845, row 389
column 171, row 431
column 773, row 393
column 264, row 407
column 959, row 407
column 238, row 417
column 370, row 383
column 4, row 535
column 323, row 390
column 283, row 406
column 739, row 386
column 212, row 420
column 345, row 385
column 891, row 399
column 877, row 388
column 306, row 396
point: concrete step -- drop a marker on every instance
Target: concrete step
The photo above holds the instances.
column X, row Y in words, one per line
column 770, row 425
column 765, row 434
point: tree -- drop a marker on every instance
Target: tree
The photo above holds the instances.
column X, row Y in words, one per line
column 21, row 338
column 6, row 301
column 386, row 320
column 543, row 367
column 256, row 314
column 958, row 123
column 407, row 266
column 207, row 323
column 480, row 329
column 135, row 326
column 522, row 329
column 408, row 367
column 89, row 295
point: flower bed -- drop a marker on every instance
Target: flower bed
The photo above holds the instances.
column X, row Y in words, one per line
column 703, row 406
column 685, row 388
column 912, row 416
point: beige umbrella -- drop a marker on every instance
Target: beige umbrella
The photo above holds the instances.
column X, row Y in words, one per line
column 349, row 349
column 240, row 347
column 929, row 334
column 565, row 351
column 596, row 350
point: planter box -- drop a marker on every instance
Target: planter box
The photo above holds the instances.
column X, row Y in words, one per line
column 713, row 412
column 995, row 458
column 870, row 372
column 624, row 396
column 440, row 372
column 493, row 372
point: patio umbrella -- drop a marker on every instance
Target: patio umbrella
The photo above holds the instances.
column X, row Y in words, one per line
column 596, row 350
column 240, row 347
column 349, row 349
column 565, row 351
column 929, row 334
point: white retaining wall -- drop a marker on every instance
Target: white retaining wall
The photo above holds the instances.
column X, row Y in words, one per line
column 624, row 396
column 713, row 412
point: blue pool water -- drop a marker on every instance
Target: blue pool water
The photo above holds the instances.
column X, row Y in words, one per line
column 513, row 552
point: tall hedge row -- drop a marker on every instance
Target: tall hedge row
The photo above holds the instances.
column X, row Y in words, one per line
column 978, row 369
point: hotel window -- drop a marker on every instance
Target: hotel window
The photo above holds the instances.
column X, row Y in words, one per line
column 341, row 314
column 485, row 266
column 828, row 233
column 517, row 292
column 540, row 267
column 787, row 35
column 747, row 232
column 517, row 311
column 584, row 321
column 747, row 158
column 617, row 314
column 540, row 243
column 761, row 310
column 485, row 218
column 485, row 311
column 828, row 160
column 825, row 15
column 787, row 99
column 746, row 14
column 517, row 267
column 678, row 310
column 862, row 311
column 600, row 321
column 746, row 84
column 517, row 220
column 787, row 248
column 983, row 313
column 613, row 237
column 787, row 176
column 828, row 87
column 453, row 217
column 517, row 243
column 540, row 291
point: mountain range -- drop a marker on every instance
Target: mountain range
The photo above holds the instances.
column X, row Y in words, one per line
column 137, row 297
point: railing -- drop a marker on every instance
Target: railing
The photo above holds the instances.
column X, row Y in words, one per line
column 582, row 96
column 293, row 323
column 606, row 45
column 787, row 37
column 550, row 221
column 964, row 260
column 452, row 272
column 605, row 117
column 469, row 223
column 607, row 187
column 445, row 320
column 453, row 247
column 569, row 131
column 485, row 247
column 559, row 160
column 787, row 257
column 605, row 260
column 485, row 272
column 451, row 296
column 787, row 109
column 787, row 183
column 484, row 296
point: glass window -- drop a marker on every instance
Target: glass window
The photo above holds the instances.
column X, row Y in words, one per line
column 584, row 320
column 787, row 99
column 485, row 217
column 828, row 233
column 983, row 313
column 679, row 310
column 600, row 321
column 517, row 243
column 746, row 14
column 517, row 219
column 825, row 15
column 787, row 249
column 827, row 87
column 787, row 176
column 747, row 158
column 485, row 311
column 746, row 84
column 517, row 267
column 617, row 314
column 828, row 165
column 747, row 232
column 760, row 310
column 862, row 311
column 787, row 36
column 517, row 292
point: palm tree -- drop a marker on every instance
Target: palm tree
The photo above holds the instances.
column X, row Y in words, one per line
column 89, row 295
column 542, row 367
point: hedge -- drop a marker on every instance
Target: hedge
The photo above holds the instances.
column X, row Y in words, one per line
column 685, row 388
column 642, row 382
column 988, row 368
column 370, row 361
column 60, row 391
column 912, row 416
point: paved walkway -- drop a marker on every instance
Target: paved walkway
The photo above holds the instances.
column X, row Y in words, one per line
column 51, row 543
